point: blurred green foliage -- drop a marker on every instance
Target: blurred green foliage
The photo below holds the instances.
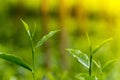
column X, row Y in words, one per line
column 13, row 39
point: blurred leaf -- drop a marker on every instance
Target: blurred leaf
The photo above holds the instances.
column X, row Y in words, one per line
column 85, row 76
column 15, row 59
column 98, row 65
column 26, row 27
column 45, row 77
column 50, row 76
column 64, row 75
column 89, row 42
column 101, row 44
column 82, row 76
column 34, row 29
column 46, row 37
column 92, row 78
column 108, row 64
column 81, row 57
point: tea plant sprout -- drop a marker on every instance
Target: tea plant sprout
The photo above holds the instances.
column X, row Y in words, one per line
column 87, row 61
column 17, row 60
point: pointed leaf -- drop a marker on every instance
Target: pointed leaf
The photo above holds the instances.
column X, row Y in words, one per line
column 34, row 29
column 89, row 42
column 98, row 65
column 26, row 27
column 101, row 44
column 81, row 57
column 82, row 76
column 46, row 37
column 92, row 78
column 107, row 64
column 15, row 59
column 85, row 76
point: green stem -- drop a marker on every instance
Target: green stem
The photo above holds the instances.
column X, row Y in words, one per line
column 33, row 75
column 33, row 58
column 91, row 56
column 90, row 68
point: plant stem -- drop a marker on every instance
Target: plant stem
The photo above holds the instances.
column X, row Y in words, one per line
column 90, row 67
column 33, row 58
column 33, row 74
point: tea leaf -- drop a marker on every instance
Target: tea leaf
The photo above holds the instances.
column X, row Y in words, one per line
column 15, row 59
column 46, row 37
column 26, row 27
column 89, row 42
column 107, row 64
column 98, row 65
column 101, row 44
column 50, row 76
column 81, row 57
column 92, row 78
column 34, row 29
column 85, row 76
column 64, row 76
column 82, row 76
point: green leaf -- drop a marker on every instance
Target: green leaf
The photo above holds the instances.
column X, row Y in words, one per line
column 34, row 29
column 82, row 76
column 101, row 44
column 81, row 57
column 50, row 76
column 98, row 65
column 108, row 64
column 89, row 42
column 15, row 59
column 46, row 37
column 64, row 76
column 26, row 27
column 85, row 76
column 92, row 78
